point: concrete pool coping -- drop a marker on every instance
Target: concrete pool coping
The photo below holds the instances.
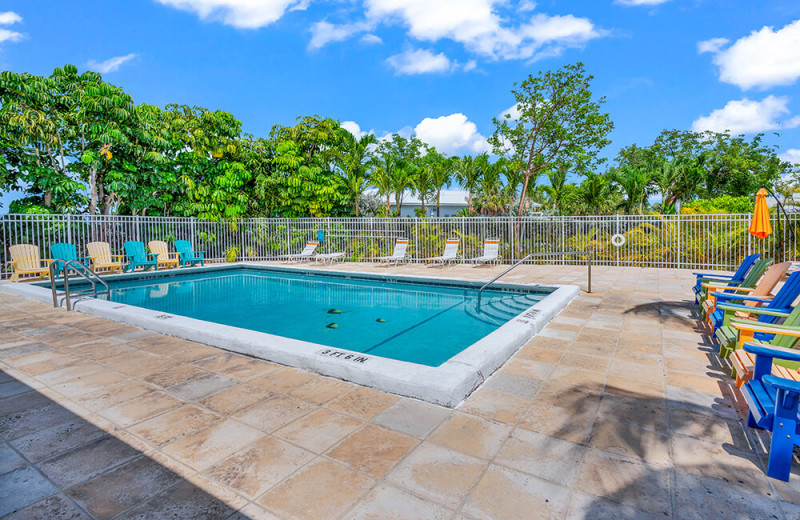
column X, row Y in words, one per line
column 448, row 384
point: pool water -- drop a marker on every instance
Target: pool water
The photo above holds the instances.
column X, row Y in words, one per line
column 408, row 321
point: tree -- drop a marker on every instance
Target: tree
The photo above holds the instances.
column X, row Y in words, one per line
column 490, row 186
column 558, row 189
column 633, row 182
column 596, row 194
column 559, row 125
column 424, row 186
column 399, row 159
column 441, row 168
column 355, row 160
column 467, row 175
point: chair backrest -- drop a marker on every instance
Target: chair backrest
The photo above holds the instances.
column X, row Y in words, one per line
column 400, row 247
column 135, row 250
column 491, row 248
column 100, row 252
column 64, row 251
column 309, row 249
column 771, row 279
column 160, row 249
column 26, row 256
column 740, row 273
column 754, row 274
column 183, row 247
column 451, row 248
column 792, row 320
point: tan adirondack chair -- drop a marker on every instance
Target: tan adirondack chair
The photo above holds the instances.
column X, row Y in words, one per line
column 762, row 290
column 25, row 261
column 102, row 259
column 163, row 256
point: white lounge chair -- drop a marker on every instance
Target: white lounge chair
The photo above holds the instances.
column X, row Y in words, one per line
column 491, row 253
column 329, row 258
column 449, row 256
column 306, row 254
column 398, row 255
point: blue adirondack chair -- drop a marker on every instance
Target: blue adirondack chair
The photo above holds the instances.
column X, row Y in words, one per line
column 737, row 277
column 137, row 257
column 187, row 255
column 66, row 251
column 778, row 307
column 773, row 403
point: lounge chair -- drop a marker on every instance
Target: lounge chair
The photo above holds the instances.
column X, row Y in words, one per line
column 102, row 259
column 398, row 255
column 753, row 285
column 163, row 256
column 449, row 255
column 306, row 254
column 491, row 253
column 25, row 261
column 785, row 335
column 773, row 405
column 329, row 258
column 187, row 255
column 67, row 252
column 737, row 277
column 137, row 257
column 774, row 309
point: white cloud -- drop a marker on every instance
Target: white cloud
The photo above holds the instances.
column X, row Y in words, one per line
column 323, row 33
column 470, row 65
column 353, row 128
column 641, row 2
column 452, row 134
column 477, row 25
column 526, row 5
column 512, row 111
column 791, row 155
column 713, row 45
column 420, row 61
column 111, row 64
column 10, row 36
column 745, row 116
column 9, row 17
column 242, row 14
column 371, row 39
column 764, row 58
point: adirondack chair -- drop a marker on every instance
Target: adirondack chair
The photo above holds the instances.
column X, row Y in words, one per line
column 773, row 404
column 491, row 253
column 186, row 255
column 398, row 255
column 137, row 257
column 785, row 335
column 754, row 284
column 102, row 259
column 163, row 256
column 26, row 262
column 449, row 255
column 776, row 308
column 737, row 276
column 306, row 254
column 67, row 252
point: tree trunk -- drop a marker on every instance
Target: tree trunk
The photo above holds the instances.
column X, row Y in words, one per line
column 388, row 205
column 48, row 199
column 522, row 194
column 92, row 191
column 469, row 203
column 356, row 208
column 438, row 195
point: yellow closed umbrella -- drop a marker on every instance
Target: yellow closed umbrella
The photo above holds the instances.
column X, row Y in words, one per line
column 760, row 226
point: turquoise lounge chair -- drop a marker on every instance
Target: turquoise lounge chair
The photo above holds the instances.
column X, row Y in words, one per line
column 137, row 257
column 66, row 251
column 187, row 255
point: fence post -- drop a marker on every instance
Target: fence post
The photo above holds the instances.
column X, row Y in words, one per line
column 678, row 249
column 138, row 228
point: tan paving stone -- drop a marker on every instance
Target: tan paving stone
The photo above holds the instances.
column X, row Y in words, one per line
column 319, row 430
column 471, row 435
column 300, row 497
column 232, row 400
column 273, row 413
column 212, row 444
column 283, row 380
column 169, row 426
column 363, row 402
column 390, row 503
column 496, row 406
column 141, row 408
column 541, row 455
column 632, row 441
column 221, row 361
column 113, row 395
column 173, row 375
column 373, row 450
column 320, row 390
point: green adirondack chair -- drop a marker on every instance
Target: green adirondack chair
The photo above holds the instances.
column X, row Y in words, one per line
column 66, row 251
column 744, row 287
column 137, row 257
column 785, row 335
column 187, row 255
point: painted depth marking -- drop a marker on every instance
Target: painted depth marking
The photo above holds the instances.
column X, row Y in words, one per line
column 343, row 355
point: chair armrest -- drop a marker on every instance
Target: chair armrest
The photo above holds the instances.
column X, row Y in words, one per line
column 119, row 256
column 713, row 275
column 731, row 287
column 782, row 383
column 760, row 349
column 721, row 297
column 781, row 313
column 767, row 328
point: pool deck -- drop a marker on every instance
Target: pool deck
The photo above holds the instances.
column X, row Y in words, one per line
column 618, row 409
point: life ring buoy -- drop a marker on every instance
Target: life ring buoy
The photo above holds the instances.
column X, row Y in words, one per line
column 618, row 240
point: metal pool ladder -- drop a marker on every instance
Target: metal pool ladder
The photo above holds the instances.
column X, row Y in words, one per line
column 532, row 255
column 78, row 268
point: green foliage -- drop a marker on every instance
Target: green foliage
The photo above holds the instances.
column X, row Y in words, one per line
column 724, row 204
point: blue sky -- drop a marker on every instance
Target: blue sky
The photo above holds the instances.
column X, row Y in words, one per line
column 439, row 68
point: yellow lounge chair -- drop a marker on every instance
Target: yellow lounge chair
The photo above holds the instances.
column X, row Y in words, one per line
column 25, row 261
column 163, row 256
column 102, row 259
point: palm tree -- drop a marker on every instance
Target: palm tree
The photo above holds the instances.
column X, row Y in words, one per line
column 423, row 184
column 490, row 187
column 596, row 194
column 467, row 175
column 558, row 188
column 382, row 179
column 355, row 159
column 441, row 172
column 633, row 183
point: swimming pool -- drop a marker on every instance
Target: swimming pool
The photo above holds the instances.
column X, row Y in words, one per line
column 424, row 323
column 417, row 336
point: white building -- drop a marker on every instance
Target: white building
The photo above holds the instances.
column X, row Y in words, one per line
column 450, row 203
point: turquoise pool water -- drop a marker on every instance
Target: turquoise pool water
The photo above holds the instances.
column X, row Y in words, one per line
column 408, row 321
